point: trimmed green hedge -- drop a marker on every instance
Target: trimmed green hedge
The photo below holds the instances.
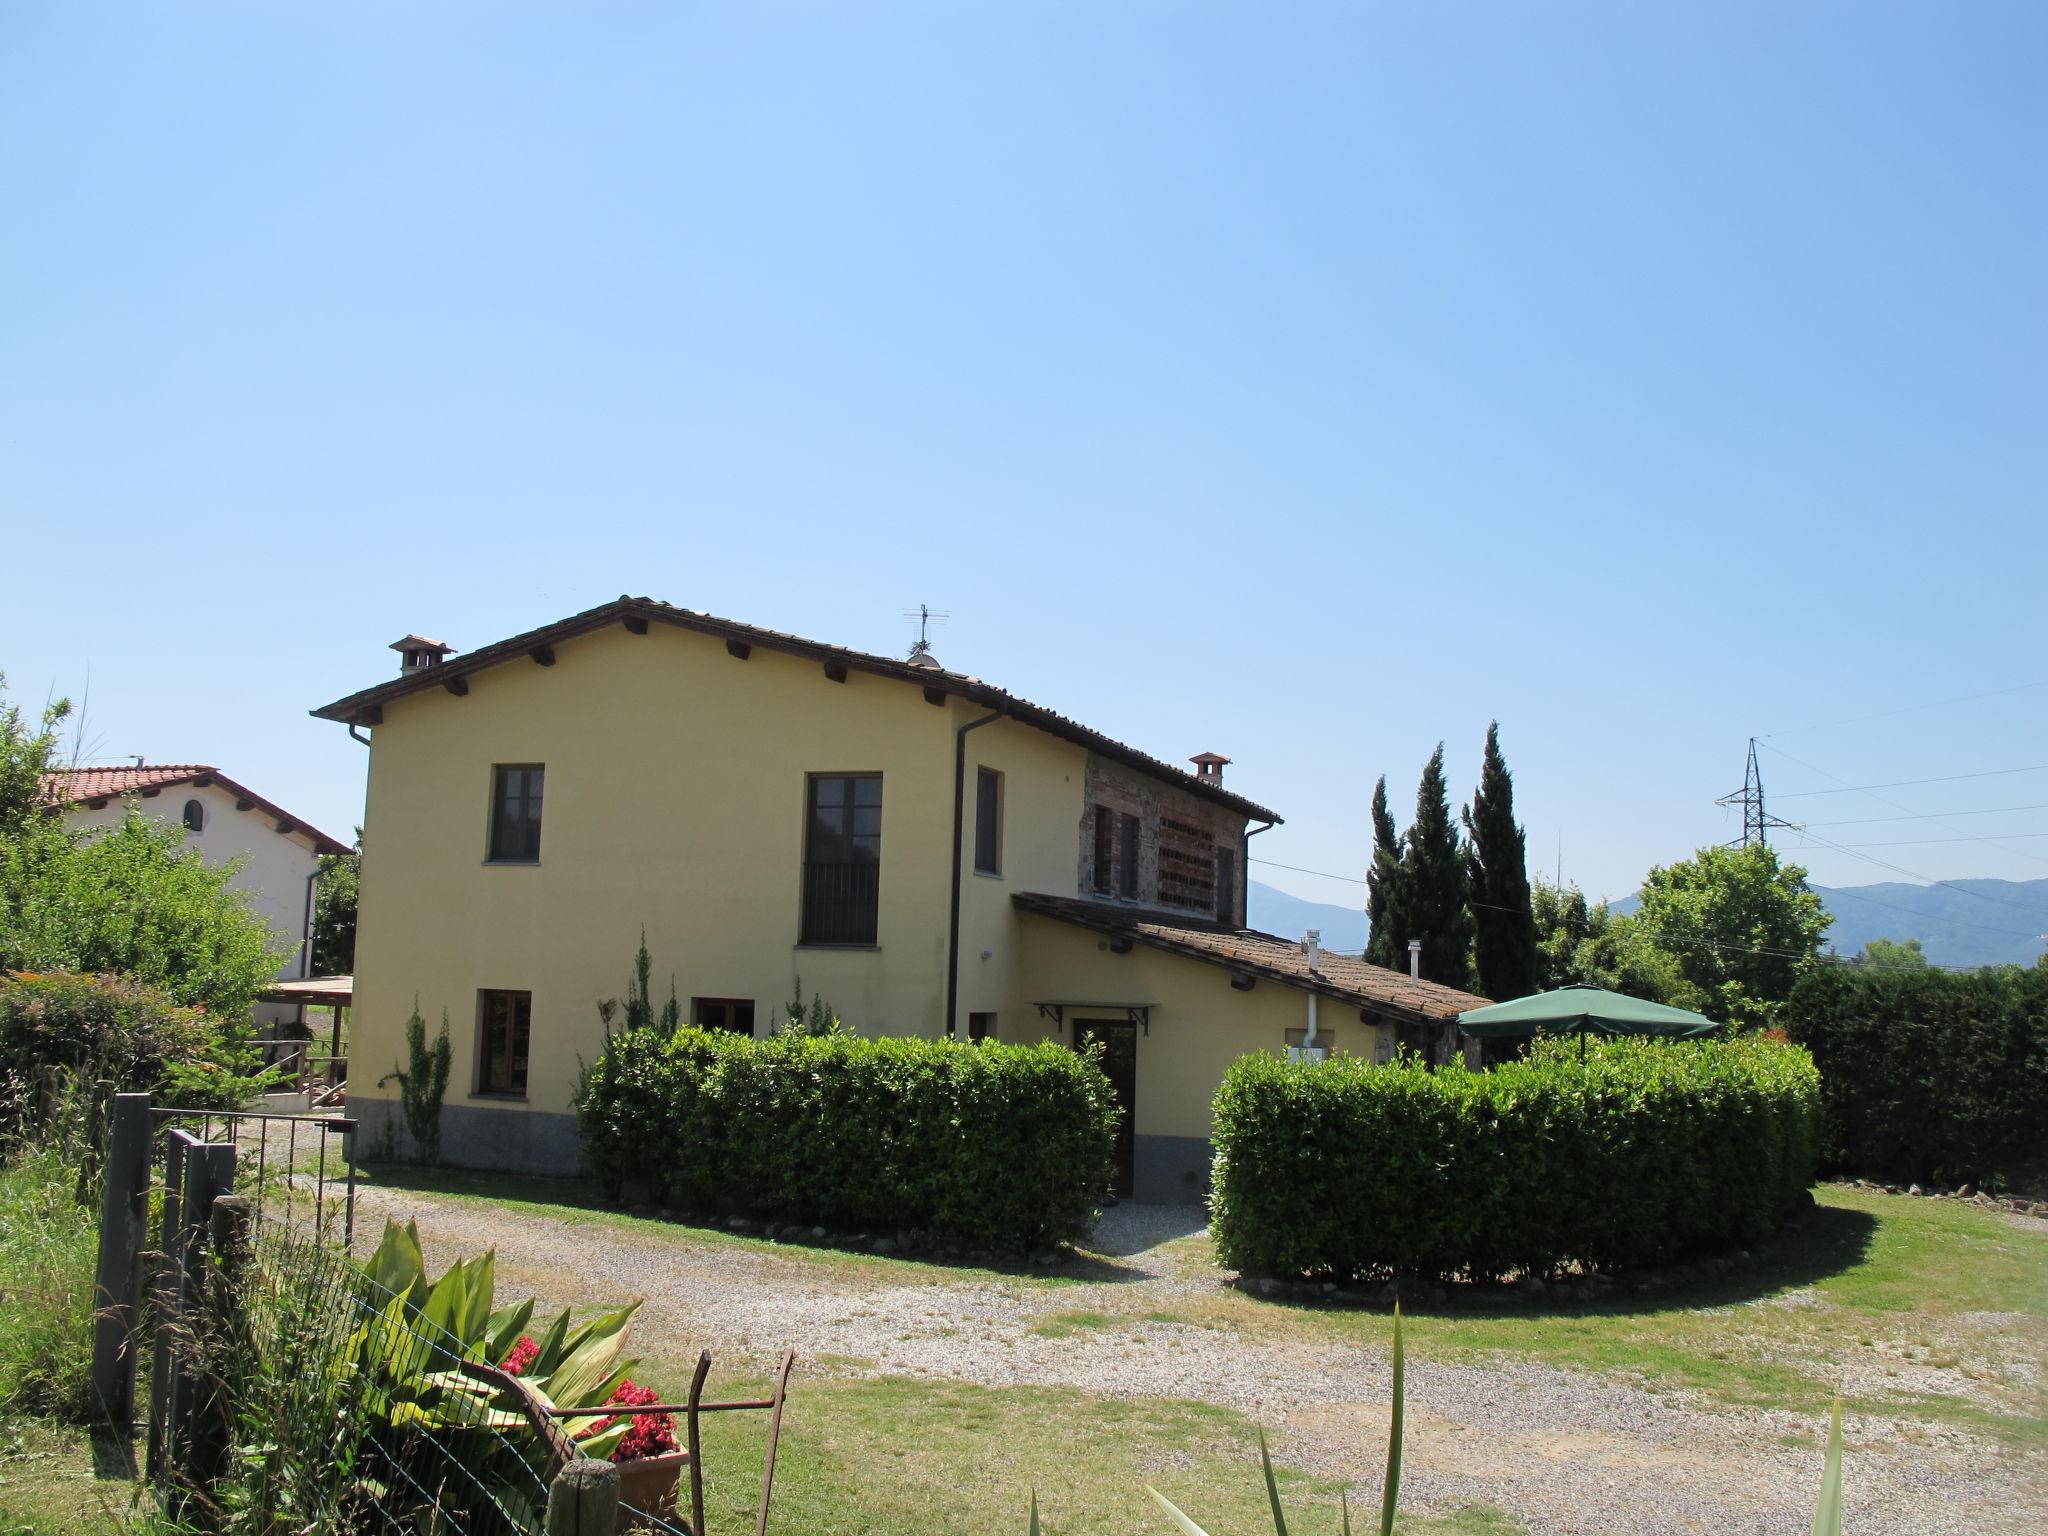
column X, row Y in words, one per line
column 1643, row 1151
column 986, row 1146
column 1927, row 1074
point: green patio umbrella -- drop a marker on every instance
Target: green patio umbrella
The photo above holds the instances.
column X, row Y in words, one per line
column 1583, row 1011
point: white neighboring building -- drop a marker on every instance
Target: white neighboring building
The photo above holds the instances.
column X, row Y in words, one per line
column 223, row 820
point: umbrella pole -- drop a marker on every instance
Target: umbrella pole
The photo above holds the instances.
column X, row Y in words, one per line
column 1582, row 1042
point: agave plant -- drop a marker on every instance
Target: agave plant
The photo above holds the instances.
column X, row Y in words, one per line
column 409, row 1351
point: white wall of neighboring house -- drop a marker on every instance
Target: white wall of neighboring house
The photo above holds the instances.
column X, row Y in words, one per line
column 276, row 872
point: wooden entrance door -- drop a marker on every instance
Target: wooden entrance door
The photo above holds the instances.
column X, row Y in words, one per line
column 1119, row 1039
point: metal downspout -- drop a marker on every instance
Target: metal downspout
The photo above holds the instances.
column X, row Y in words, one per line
column 1244, row 877
column 959, row 818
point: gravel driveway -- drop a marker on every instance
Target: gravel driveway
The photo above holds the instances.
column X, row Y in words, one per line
column 1568, row 1453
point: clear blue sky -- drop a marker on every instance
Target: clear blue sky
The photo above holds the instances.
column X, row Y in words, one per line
column 1306, row 383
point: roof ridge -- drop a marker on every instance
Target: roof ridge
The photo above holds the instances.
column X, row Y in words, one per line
column 362, row 706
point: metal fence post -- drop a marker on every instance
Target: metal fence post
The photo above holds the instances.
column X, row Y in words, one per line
column 583, row 1500
column 232, row 1220
column 209, row 1173
column 117, row 1285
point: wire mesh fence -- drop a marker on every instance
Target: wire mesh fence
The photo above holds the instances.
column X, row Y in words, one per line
column 351, row 1411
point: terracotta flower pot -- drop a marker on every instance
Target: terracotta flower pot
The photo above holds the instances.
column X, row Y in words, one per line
column 648, row 1484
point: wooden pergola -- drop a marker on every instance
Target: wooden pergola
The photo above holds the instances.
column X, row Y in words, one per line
column 333, row 992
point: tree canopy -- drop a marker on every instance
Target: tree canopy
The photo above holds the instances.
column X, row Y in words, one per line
column 1740, row 927
column 130, row 899
column 1433, row 882
column 1385, row 919
column 1497, row 878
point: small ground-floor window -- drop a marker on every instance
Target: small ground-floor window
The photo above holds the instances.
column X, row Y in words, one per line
column 507, row 1026
column 981, row 1026
column 729, row 1013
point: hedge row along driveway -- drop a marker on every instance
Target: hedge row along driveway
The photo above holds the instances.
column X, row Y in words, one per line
column 987, row 1146
column 1643, row 1151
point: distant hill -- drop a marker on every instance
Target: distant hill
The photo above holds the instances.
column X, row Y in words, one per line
column 1290, row 917
column 1954, row 926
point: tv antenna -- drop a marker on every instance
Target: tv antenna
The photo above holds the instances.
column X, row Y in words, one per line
column 924, row 617
column 1756, row 821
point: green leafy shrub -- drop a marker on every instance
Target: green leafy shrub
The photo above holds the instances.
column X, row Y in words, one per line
column 133, row 900
column 128, row 1033
column 994, row 1146
column 1927, row 1074
column 1642, row 1151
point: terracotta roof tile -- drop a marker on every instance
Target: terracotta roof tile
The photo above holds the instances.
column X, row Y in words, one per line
column 75, row 785
column 362, row 707
column 1267, row 955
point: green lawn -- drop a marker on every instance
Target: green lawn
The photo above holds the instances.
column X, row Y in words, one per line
column 48, row 1482
column 892, row 1456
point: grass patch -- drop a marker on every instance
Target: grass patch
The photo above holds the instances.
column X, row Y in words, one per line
column 890, row 1456
column 48, row 1246
column 1064, row 1325
column 49, row 1485
column 1949, row 1285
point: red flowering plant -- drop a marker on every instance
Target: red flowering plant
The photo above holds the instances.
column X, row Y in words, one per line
column 651, row 1434
column 524, row 1353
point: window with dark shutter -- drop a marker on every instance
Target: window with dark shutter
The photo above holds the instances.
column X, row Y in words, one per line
column 1226, row 885
column 842, row 859
column 988, row 822
column 1127, row 858
column 515, row 813
column 507, row 1027
column 1105, row 850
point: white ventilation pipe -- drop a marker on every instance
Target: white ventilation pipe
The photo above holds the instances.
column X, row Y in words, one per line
column 1313, row 944
column 1415, row 959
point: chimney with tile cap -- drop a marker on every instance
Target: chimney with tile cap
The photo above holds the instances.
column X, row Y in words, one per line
column 1209, row 766
column 416, row 653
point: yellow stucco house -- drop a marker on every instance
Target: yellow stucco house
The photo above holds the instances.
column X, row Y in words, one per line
column 930, row 853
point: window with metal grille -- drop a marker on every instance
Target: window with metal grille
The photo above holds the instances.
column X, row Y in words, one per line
column 515, row 813
column 842, row 859
column 507, row 1026
column 1127, row 857
column 988, row 822
column 1105, row 850
column 1226, row 885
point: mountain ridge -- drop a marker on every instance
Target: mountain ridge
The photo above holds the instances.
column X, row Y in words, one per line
column 1958, row 923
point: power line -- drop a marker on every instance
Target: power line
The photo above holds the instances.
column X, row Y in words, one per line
column 1274, row 864
column 1905, row 709
column 1895, row 805
column 1865, row 821
column 1914, row 874
column 1860, row 789
column 1931, row 842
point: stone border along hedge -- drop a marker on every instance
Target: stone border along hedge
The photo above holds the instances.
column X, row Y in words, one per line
column 1644, row 1153
column 988, row 1147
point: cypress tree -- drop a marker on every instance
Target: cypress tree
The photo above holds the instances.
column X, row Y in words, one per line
column 1385, row 943
column 1433, row 883
column 1497, row 874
